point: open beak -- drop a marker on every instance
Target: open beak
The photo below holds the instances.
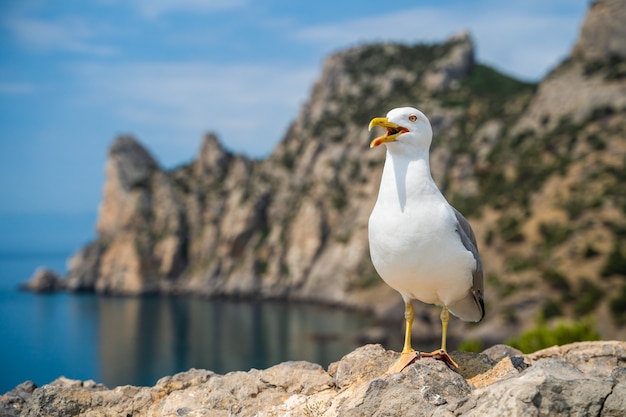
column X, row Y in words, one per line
column 393, row 131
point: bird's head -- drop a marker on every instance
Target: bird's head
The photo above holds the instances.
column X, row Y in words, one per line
column 408, row 130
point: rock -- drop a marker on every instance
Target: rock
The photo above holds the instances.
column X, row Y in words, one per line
column 502, row 370
column 603, row 34
column 615, row 403
column 550, row 387
column 62, row 397
column 595, row 358
column 121, row 270
column 418, row 391
column 44, row 280
column 361, row 365
column 449, row 71
column 556, row 382
column 499, row 352
column 213, row 158
column 129, row 170
column 84, row 268
column 12, row 403
column 602, row 39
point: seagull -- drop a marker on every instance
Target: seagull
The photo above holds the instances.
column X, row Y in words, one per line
column 420, row 245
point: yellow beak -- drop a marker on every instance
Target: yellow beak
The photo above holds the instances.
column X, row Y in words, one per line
column 393, row 131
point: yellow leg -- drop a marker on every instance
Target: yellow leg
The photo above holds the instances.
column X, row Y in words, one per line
column 408, row 355
column 445, row 318
column 442, row 353
column 408, row 318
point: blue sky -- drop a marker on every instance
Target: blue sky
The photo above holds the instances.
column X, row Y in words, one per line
column 75, row 73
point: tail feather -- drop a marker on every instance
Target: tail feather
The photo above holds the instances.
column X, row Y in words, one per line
column 469, row 308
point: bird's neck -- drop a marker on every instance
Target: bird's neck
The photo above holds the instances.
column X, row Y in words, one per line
column 407, row 178
column 415, row 168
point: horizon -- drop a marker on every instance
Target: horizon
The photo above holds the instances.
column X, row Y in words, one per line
column 75, row 76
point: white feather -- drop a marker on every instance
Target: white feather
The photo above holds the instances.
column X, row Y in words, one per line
column 413, row 232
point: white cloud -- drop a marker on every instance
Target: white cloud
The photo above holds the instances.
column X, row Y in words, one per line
column 411, row 24
column 250, row 106
column 73, row 34
column 521, row 39
column 155, row 8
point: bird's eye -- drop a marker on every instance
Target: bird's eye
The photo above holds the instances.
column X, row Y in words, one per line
column 413, row 118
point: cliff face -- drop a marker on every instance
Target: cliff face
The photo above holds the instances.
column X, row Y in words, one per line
column 539, row 172
column 293, row 225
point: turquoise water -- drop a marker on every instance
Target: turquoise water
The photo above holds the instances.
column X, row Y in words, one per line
column 118, row 341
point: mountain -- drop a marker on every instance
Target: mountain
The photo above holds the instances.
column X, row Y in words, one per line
column 539, row 170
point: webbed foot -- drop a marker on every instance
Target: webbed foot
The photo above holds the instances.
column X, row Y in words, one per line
column 441, row 355
column 406, row 358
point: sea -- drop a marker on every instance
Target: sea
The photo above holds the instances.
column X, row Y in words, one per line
column 137, row 340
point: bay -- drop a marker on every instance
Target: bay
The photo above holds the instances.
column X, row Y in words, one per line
column 137, row 340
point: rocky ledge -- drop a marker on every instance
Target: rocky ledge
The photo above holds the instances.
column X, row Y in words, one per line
column 580, row 379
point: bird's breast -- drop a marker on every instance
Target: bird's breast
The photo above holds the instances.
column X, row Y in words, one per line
column 413, row 229
column 413, row 240
column 417, row 250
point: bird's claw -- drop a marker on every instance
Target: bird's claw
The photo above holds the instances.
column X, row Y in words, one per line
column 406, row 358
column 441, row 355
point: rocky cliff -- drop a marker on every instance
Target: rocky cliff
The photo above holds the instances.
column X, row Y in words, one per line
column 539, row 170
column 582, row 379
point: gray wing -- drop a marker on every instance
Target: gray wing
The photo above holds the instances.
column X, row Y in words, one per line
column 472, row 307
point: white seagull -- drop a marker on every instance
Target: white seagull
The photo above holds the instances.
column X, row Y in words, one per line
column 420, row 245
